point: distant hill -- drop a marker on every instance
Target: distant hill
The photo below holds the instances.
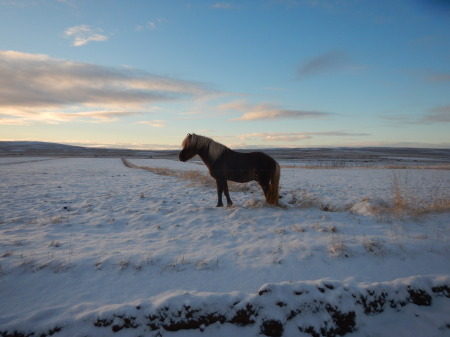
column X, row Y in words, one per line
column 23, row 148
column 321, row 157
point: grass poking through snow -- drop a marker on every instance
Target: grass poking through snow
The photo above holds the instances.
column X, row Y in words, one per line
column 409, row 199
column 193, row 176
column 406, row 200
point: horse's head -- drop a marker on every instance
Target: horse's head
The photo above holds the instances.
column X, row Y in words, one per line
column 189, row 149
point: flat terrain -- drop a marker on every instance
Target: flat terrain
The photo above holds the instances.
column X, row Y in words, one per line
column 92, row 247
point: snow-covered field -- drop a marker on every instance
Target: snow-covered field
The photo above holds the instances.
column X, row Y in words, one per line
column 90, row 247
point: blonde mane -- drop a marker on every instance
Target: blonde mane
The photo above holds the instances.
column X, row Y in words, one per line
column 201, row 142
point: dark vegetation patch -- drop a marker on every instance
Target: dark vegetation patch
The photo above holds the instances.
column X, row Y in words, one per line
column 272, row 311
column 15, row 333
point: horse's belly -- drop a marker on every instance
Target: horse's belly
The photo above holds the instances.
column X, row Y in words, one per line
column 242, row 177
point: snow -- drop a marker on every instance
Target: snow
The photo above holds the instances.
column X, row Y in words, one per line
column 89, row 246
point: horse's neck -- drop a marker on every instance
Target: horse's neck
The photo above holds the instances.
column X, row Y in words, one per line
column 203, row 153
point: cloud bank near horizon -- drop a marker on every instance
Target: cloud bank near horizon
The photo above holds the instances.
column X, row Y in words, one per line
column 36, row 87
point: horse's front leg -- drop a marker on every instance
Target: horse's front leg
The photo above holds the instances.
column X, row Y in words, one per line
column 222, row 187
column 227, row 195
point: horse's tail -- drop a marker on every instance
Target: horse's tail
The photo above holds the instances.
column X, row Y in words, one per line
column 272, row 194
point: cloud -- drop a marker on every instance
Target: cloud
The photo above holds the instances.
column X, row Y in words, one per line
column 429, row 75
column 438, row 76
column 268, row 111
column 280, row 114
column 84, row 34
column 438, row 115
column 292, row 137
column 155, row 124
column 222, row 5
column 37, row 88
column 48, row 116
column 435, row 115
column 329, row 62
column 151, row 25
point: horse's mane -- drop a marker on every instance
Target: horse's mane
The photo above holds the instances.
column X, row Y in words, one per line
column 201, row 142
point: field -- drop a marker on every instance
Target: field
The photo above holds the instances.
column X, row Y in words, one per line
column 135, row 247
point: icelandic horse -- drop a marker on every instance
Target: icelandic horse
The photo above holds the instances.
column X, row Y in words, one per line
column 225, row 164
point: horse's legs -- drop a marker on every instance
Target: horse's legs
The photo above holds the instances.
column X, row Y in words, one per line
column 222, row 187
column 219, row 193
column 227, row 194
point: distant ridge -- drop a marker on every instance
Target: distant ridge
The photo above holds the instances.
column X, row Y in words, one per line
column 30, row 148
column 333, row 157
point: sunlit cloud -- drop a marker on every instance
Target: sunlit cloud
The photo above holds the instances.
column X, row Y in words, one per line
column 274, row 137
column 39, row 88
column 84, row 34
column 155, row 124
column 13, row 121
column 293, row 137
column 264, row 113
column 48, row 116
column 269, row 111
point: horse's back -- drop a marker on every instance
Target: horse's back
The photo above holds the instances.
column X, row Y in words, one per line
column 246, row 166
column 249, row 160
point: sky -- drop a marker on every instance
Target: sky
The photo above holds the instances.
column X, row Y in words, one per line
column 249, row 74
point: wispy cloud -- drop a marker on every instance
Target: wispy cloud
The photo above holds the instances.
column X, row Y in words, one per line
column 329, row 62
column 151, row 25
column 438, row 115
column 155, row 124
column 269, row 111
column 429, row 75
column 222, row 5
column 27, row 116
column 38, row 87
column 260, row 113
column 293, row 137
column 431, row 116
column 437, row 76
column 84, row 34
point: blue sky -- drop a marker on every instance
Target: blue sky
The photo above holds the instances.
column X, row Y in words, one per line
column 267, row 73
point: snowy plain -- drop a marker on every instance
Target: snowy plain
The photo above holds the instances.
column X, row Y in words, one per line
column 90, row 247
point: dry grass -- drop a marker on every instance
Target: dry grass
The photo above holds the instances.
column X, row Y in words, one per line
column 337, row 246
column 302, row 199
column 356, row 165
column 375, row 247
column 194, row 176
column 409, row 200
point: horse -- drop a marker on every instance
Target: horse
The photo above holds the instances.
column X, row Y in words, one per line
column 225, row 164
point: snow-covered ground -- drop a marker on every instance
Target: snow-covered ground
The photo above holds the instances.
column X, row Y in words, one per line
column 90, row 247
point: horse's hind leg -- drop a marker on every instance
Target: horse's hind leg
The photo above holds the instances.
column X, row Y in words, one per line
column 265, row 187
